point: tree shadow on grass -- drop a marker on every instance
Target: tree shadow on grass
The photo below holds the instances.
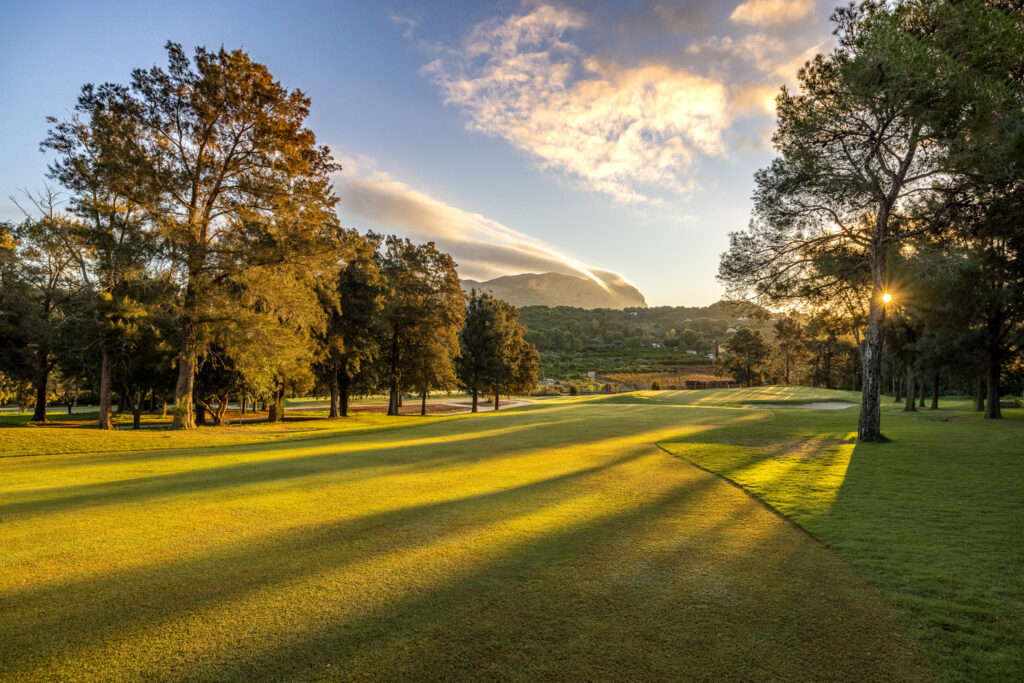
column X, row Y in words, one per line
column 153, row 593
column 473, row 442
column 925, row 517
column 677, row 576
column 687, row 580
column 670, row 588
column 342, row 455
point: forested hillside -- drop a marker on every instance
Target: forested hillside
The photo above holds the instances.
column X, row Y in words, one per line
column 696, row 329
column 575, row 341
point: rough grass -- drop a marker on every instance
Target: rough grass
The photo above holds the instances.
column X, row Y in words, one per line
column 933, row 518
column 550, row 542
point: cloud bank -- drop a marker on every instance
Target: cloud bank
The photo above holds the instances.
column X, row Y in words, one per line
column 484, row 248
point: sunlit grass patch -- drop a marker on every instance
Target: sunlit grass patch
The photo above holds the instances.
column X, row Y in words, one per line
column 546, row 542
column 931, row 517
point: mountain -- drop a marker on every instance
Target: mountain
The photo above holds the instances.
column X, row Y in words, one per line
column 557, row 289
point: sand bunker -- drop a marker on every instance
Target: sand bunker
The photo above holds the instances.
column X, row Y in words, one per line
column 818, row 405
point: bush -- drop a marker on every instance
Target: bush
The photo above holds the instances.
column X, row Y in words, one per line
column 573, row 391
column 655, row 385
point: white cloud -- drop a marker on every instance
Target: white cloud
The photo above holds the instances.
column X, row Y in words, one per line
column 402, row 20
column 615, row 129
column 769, row 12
column 484, row 248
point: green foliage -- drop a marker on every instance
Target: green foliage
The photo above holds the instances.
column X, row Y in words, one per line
column 494, row 355
column 423, row 309
column 886, row 141
column 611, row 331
column 746, row 357
column 351, row 339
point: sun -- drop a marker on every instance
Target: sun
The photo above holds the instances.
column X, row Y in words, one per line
column 887, row 297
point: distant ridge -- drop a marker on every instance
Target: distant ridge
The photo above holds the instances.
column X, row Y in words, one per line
column 557, row 289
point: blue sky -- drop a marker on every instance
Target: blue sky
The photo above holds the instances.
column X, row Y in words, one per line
column 605, row 139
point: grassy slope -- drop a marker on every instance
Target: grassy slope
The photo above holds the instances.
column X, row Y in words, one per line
column 933, row 518
column 549, row 542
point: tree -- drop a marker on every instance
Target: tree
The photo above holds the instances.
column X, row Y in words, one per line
column 859, row 147
column 430, row 364
column 110, row 244
column 45, row 276
column 221, row 165
column 789, row 337
column 494, row 353
column 747, row 352
column 17, row 320
column 480, row 345
column 423, row 305
column 356, row 325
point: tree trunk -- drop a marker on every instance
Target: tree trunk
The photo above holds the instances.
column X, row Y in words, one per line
column 979, row 396
column 163, row 411
column 334, row 396
column 787, row 367
column 935, row 391
column 497, row 400
column 105, row 421
column 992, row 410
column 344, row 381
column 42, row 381
column 393, row 403
column 869, row 424
column 137, row 410
column 199, row 413
column 184, row 415
column 222, row 409
column 275, row 411
column 920, row 394
column 423, row 404
column 911, row 404
column 476, row 395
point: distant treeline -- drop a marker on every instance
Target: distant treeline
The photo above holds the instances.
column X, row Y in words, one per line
column 698, row 329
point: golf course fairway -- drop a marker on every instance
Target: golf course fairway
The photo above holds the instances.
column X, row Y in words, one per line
column 589, row 538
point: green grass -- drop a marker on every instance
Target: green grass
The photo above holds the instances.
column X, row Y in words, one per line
column 549, row 542
column 933, row 518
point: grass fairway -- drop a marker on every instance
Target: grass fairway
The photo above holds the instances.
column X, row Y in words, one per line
column 550, row 542
column 933, row 518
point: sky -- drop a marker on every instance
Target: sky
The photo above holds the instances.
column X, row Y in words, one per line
column 615, row 140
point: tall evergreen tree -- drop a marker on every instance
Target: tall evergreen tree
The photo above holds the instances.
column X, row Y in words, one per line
column 423, row 306
column 353, row 301
column 481, row 345
column 494, row 354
